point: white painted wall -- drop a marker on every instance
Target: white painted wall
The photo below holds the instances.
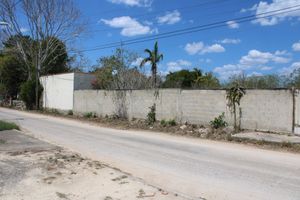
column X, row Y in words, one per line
column 58, row 91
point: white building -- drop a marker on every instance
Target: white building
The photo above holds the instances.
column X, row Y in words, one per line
column 59, row 89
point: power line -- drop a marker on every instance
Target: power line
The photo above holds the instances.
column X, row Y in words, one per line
column 177, row 8
column 196, row 28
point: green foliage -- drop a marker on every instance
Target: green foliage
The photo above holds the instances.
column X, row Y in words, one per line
column 181, row 79
column 234, row 95
column 165, row 123
column 207, row 81
column 12, row 74
column 28, row 92
column 90, row 115
column 151, row 116
column 57, row 61
column 70, row 112
column 8, row 126
column 219, row 122
column 172, row 122
column 191, row 79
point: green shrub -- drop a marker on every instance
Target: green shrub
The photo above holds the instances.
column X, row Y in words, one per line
column 70, row 112
column 172, row 122
column 151, row 116
column 90, row 115
column 27, row 93
column 219, row 122
column 7, row 126
column 163, row 123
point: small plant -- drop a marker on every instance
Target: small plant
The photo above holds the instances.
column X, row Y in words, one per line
column 70, row 112
column 151, row 117
column 163, row 123
column 219, row 122
column 172, row 122
column 89, row 115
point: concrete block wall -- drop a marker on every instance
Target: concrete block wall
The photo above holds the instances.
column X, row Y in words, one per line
column 268, row 110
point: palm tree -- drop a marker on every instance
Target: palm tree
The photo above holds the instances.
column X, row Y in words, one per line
column 234, row 96
column 154, row 58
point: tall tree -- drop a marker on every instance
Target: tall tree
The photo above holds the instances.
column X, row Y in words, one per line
column 46, row 21
column 154, row 57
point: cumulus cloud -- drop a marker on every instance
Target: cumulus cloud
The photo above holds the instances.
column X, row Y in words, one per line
column 230, row 41
column 170, row 18
column 194, row 48
column 255, row 57
column 139, row 3
column 232, row 24
column 296, row 46
column 227, row 71
column 130, row 26
column 265, row 7
column 254, row 60
column 200, row 48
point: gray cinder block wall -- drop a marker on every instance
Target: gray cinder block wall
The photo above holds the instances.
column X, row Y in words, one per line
column 267, row 110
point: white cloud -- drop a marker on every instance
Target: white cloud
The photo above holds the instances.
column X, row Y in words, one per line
column 254, row 60
column 290, row 69
column 265, row 7
column 215, row 48
column 255, row 57
column 230, row 41
column 177, row 65
column 296, row 46
column 227, row 71
column 170, row 18
column 139, row 3
column 232, row 24
column 129, row 26
column 194, row 48
column 199, row 47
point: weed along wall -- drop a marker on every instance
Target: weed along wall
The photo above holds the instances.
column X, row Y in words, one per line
column 268, row 110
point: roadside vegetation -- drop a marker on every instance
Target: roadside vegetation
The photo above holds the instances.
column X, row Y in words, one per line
column 8, row 126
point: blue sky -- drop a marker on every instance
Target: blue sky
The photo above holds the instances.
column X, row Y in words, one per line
column 261, row 46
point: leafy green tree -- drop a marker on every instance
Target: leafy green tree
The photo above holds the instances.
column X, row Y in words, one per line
column 207, row 81
column 154, row 57
column 57, row 60
column 12, row 74
column 191, row 79
column 181, row 79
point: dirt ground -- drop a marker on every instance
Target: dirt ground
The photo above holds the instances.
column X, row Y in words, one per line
column 32, row 169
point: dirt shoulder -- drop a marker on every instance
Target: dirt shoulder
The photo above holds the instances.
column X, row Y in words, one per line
column 32, row 169
column 225, row 134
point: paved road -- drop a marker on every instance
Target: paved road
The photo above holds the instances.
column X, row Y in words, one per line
column 196, row 168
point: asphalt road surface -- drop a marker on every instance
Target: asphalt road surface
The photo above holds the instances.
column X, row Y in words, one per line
column 191, row 167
